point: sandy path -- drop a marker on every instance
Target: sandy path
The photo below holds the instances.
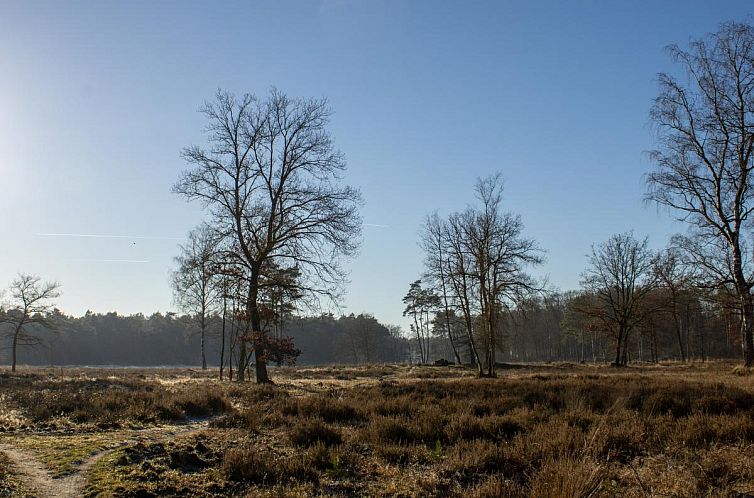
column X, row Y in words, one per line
column 39, row 481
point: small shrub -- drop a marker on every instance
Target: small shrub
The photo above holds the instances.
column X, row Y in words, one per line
column 312, row 431
column 566, row 478
column 249, row 463
column 389, row 430
column 618, row 438
column 497, row 487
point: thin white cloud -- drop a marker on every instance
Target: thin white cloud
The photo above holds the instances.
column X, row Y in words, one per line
column 90, row 260
column 376, row 225
column 105, row 236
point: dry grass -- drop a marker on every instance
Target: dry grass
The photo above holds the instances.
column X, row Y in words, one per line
column 545, row 431
column 42, row 402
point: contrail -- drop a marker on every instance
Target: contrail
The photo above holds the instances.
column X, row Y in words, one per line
column 377, row 225
column 86, row 260
column 104, row 236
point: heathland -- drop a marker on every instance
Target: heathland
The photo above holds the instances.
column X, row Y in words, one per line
column 546, row 430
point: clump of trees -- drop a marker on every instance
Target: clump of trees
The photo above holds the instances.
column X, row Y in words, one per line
column 269, row 177
column 685, row 301
column 476, row 262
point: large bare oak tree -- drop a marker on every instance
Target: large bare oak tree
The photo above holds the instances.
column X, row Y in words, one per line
column 270, row 176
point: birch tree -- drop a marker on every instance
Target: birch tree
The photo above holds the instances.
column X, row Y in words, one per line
column 705, row 123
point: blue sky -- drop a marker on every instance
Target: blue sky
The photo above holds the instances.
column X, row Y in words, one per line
column 98, row 98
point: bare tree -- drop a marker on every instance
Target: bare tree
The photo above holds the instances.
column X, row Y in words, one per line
column 270, row 177
column 437, row 271
column 620, row 277
column 704, row 159
column 479, row 256
column 31, row 304
column 460, row 263
column 501, row 254
column 196, row 287
column 675, row 277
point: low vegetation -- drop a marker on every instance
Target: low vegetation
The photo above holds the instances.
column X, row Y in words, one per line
column 52, row 402
column 555, row 430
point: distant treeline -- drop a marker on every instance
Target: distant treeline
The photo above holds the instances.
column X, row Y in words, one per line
column 138, row 340
column 547, row 329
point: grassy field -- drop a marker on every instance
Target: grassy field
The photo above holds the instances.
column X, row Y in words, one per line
column 559, row 430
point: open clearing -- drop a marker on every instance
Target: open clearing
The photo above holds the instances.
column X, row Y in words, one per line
column 682, row 430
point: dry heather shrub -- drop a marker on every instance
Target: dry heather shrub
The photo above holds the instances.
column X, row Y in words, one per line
column 492, row 427
column 591, row 396
column 468, row 458
column 251, row 394
column 328, row 409
column 427, row 426
column 696, row 431
column 249, row 463
column 701, row 430
column 527, row 417
column 566, row 478
column 250, row 419
column 550, row 440
column 403, row 455
column 617, row 437
column 381, row 430
column 201, row 402
column 734, row 428
column 311, row 431
column 259, row 465
column 497, row 487
column 393, row 406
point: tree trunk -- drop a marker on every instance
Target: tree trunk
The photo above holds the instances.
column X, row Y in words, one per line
column 204, row 354
column 618, row 348
column 222, row 343
column 418, row 330
column 679, row 334
column 260, row 362
column 15, row 347
column 447, row 321
column 747, row 306
column 241, row 370
column 747, row 324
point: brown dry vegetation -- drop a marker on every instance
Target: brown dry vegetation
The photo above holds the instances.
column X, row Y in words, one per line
column 546, row 431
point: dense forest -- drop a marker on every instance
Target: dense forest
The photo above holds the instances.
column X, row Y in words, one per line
column 138, row 340
column 552, row 328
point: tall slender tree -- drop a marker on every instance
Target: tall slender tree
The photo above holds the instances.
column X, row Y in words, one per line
column 705, row 124
column 196, row 287
column 437, row 271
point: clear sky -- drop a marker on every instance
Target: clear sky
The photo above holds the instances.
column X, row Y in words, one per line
column 97, row 99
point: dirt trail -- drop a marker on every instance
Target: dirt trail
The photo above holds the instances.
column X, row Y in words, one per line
column 39, row 481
